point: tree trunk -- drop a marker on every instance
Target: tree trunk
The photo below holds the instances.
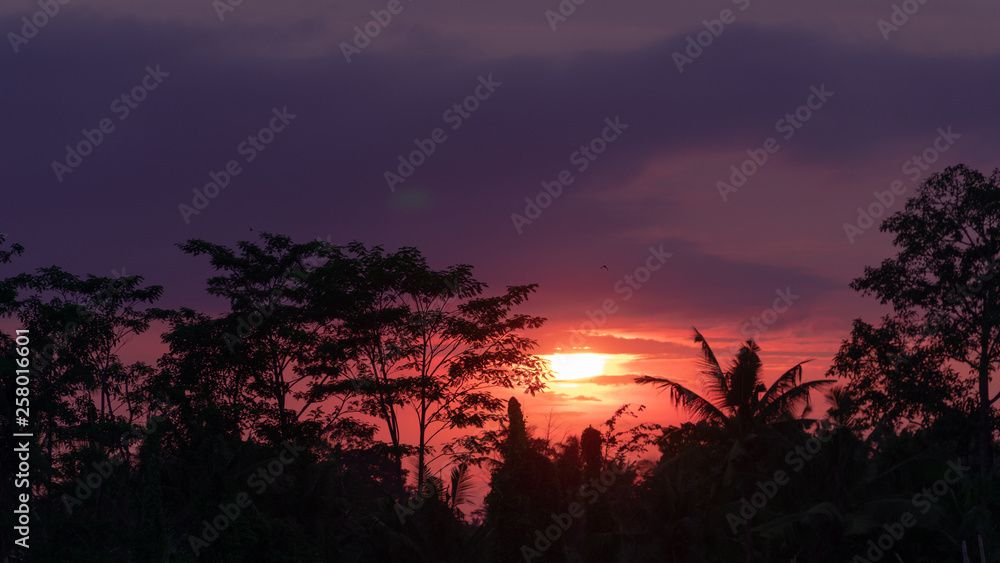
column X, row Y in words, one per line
column 421, row 470
column 282, row 430
column 747, row 493
column 985, row 428
column 422, row 441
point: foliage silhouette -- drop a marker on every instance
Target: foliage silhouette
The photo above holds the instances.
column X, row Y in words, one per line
column 327, row 349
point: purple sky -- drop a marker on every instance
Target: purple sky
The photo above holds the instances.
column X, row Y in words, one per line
column 655, row 185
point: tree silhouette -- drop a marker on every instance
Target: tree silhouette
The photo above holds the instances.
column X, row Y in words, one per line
column 524, row 491
column 895, row 378
column 275, row 329
column 8, row 293
column 737, row 398
column 428, row 341
column 86, row 397
column 942, row 285
column 741, row 405
column 327, row 345
column 8, row 458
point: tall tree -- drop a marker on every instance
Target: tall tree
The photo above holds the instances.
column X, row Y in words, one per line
column 84, row 394
column 524, row 491
column 591, row 456
column 8, row 293
column 84, row 397
column 739, row 403
column 276, row 328
column 366, row 331
column 428, row 342
column 941, row 284
column 897, row 378
column 736, row 397
column 598, row 525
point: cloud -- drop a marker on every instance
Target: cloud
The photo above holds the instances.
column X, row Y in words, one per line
column 324, row 175
column 563, row 397
column 612, row 380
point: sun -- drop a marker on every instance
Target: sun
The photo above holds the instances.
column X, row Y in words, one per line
column 576, row 366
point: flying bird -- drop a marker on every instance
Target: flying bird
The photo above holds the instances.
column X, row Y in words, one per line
column 604, row 267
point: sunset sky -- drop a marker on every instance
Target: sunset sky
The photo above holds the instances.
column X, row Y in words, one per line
column 680, row 249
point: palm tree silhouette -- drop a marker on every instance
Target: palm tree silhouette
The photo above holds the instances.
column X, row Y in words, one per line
column 738, row 403
column 736, row 398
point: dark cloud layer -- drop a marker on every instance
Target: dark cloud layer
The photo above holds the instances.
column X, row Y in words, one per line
column 323, row 175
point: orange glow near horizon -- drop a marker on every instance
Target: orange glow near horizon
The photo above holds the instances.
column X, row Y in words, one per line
column 577, row 366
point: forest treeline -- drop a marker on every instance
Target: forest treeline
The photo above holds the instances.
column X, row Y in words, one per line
column 339, row 408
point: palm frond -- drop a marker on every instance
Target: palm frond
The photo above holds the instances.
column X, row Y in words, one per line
column 744, row 380
column 713, row 378
column 786, row 404
column 698, row 406
column 785, row 382
column 462, row 485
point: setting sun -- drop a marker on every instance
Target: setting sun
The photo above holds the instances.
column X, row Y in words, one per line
column 576, row 366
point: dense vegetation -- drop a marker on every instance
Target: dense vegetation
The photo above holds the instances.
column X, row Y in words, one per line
column 273, row 432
